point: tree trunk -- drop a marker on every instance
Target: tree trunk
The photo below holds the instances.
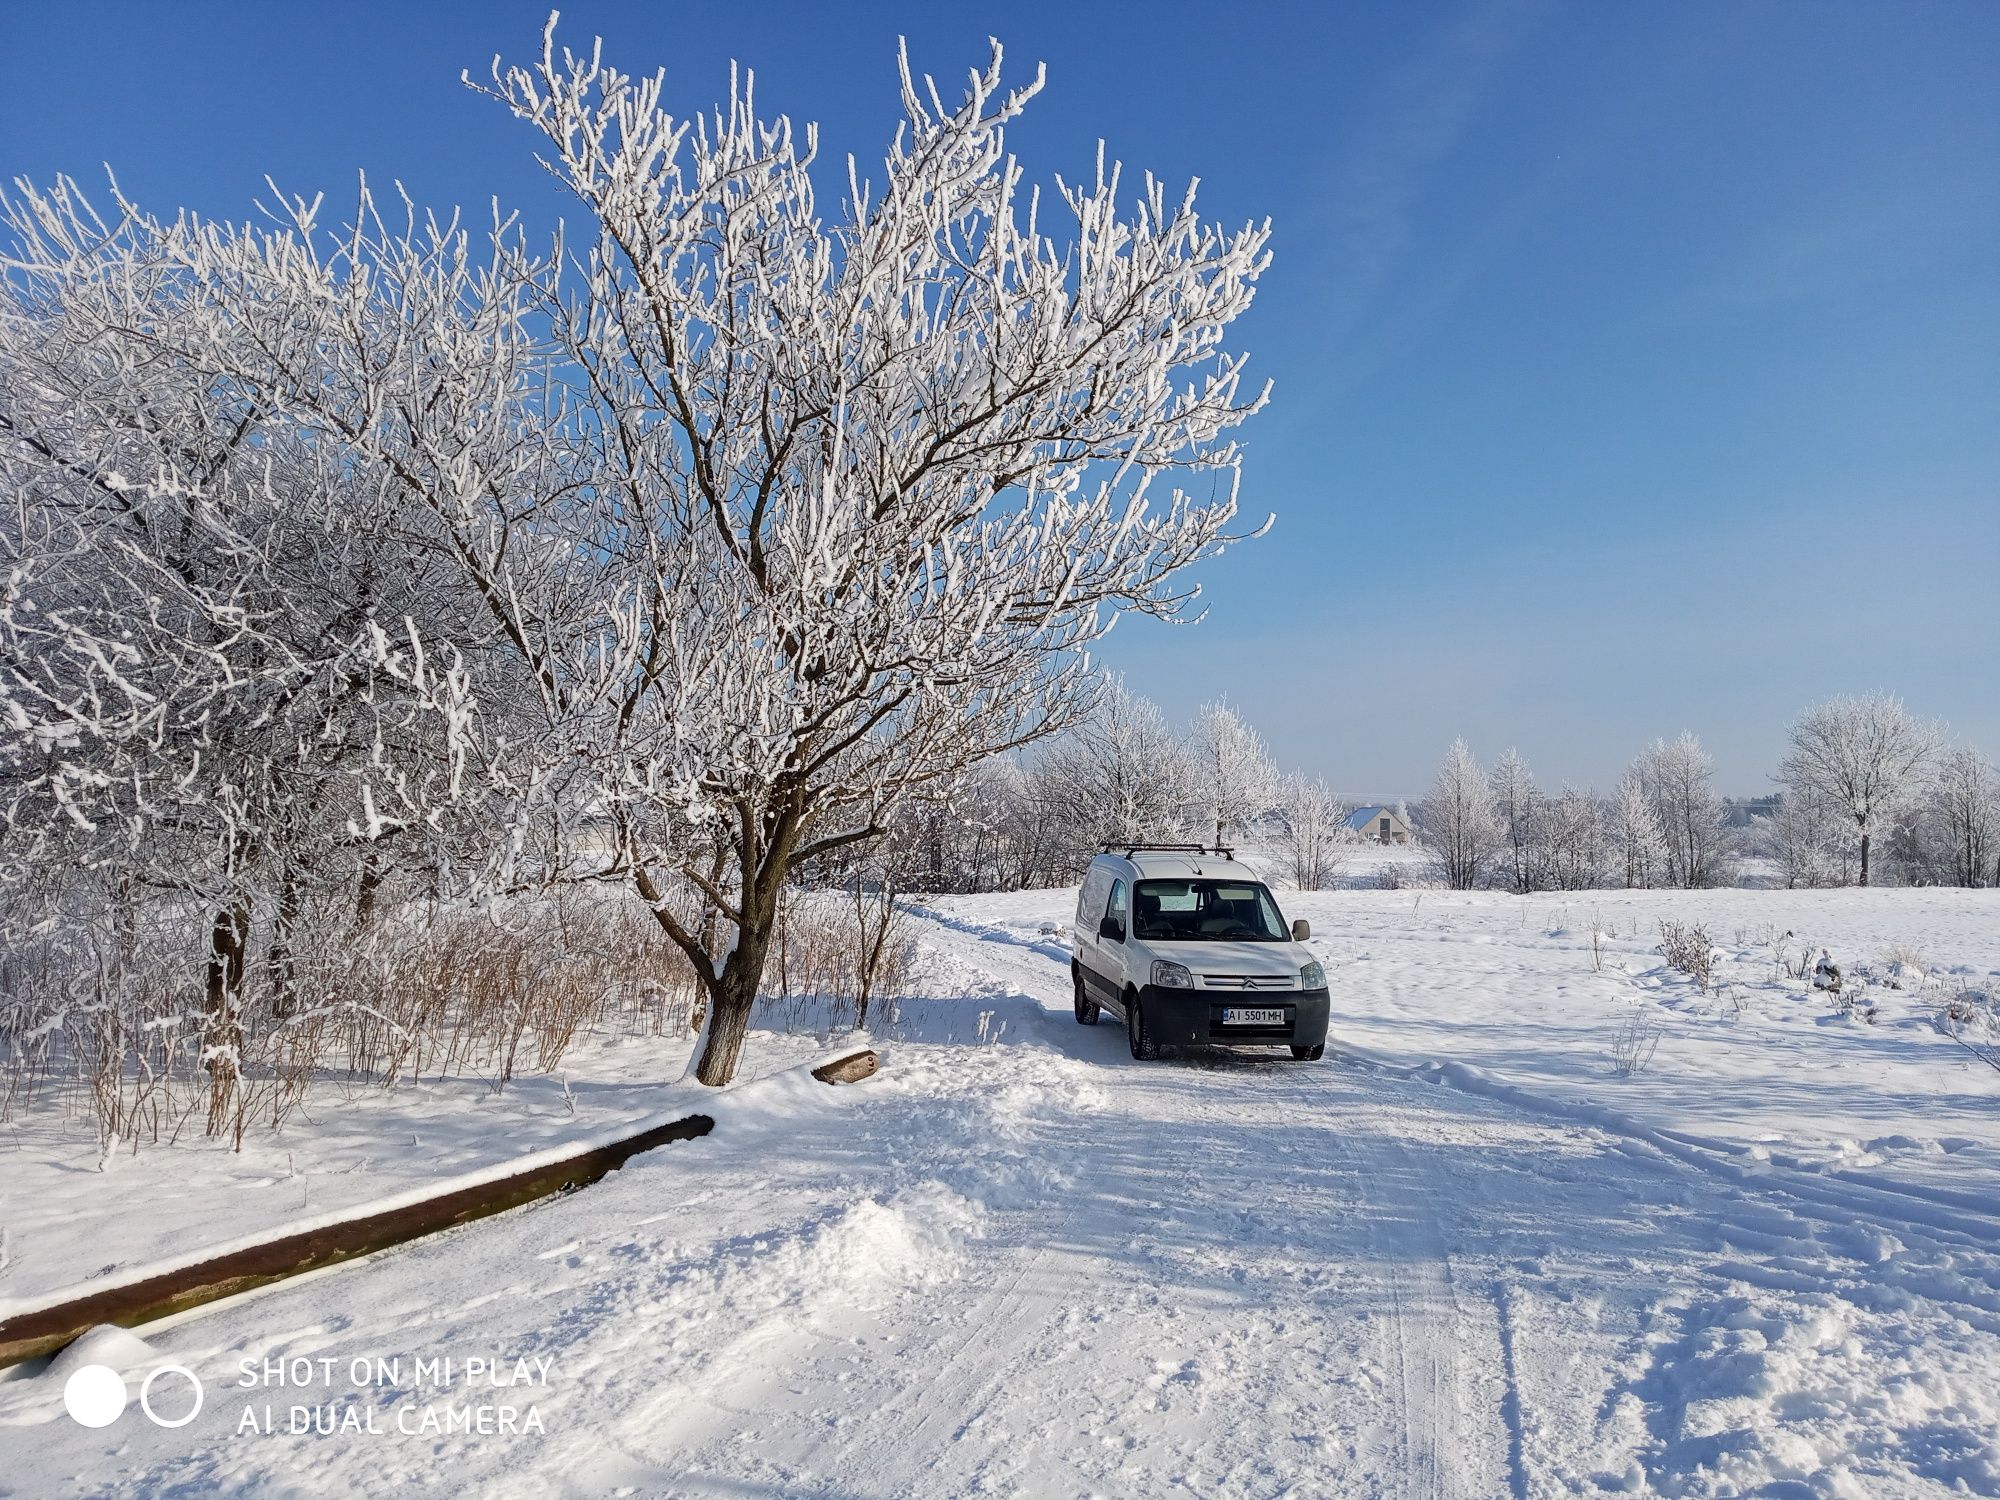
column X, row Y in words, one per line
column 733, row 996
column 764, row 848
column 228, row 945
column 228, row 942
column 1864, row 856
column 284, row 930
column 366, row 890
column 764, row 863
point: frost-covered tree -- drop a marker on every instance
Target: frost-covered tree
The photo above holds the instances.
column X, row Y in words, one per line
column 1459, row 828
column 1235, row 778
column 870, row 479
column 1571, row 843
column 992, row 831
column 776, row 515
column 1638, row 849
column 1315, row 832
column 203, row 722
column 1518, row 804
column 1962, row 817
column 1807, row 841
column 1865, row 756
column 1677, row 778
column 1120, row 773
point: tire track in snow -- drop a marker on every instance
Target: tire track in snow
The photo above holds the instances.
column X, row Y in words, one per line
column 1769, row 1208
column 991, row 1342
column 1452, row 1440
column 1427, row 1323
column 1510, row 1400
column 1424, row 1362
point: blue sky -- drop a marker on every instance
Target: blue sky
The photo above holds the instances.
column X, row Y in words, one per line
column 1636, row 367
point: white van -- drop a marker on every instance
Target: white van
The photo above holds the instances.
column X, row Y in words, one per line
column 1188, row 948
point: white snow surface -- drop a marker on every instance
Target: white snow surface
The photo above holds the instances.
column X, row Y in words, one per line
column 1463, row 1256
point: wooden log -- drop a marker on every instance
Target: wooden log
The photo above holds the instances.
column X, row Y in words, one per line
column 45, row 1330
column 851, row 1068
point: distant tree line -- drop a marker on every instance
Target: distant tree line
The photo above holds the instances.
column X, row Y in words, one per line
column 1122, row 772
column 1870, row 794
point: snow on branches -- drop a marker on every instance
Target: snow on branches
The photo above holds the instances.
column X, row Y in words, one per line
column 864, row 490
column 677, row 553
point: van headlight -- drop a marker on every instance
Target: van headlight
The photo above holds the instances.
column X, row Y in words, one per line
column 1312, row 977
column 1171, row 976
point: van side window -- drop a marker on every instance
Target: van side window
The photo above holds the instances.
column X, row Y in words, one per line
column 1089, row 900
column 1116, row 906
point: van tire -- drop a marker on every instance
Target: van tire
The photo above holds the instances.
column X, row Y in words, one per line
column 1144, row 1048
column 1309, row 1054
column 1086, row 1008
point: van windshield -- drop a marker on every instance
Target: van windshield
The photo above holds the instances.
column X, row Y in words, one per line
column 1197, row 911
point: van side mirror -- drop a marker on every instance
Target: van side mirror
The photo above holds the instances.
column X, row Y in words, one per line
column 1301, row 929
column 1112, row 930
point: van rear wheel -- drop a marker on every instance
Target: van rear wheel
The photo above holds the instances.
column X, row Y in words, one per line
column 1144, row 1048
column 1086, row 1008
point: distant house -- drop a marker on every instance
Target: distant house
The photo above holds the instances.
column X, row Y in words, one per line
column 1379, row 825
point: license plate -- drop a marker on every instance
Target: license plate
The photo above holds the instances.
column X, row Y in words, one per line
column 1236, row 1015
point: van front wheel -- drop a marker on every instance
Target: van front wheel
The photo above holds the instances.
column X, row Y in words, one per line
column 1086, row 1008
column 1309, row 1054
column 1144, row 1048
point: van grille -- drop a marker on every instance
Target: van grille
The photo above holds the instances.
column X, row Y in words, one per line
column 1250, row 984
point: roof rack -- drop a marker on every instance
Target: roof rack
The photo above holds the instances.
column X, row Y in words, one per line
column 1131, row 848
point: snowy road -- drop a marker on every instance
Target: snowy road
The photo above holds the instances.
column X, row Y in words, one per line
column 1018, row 1263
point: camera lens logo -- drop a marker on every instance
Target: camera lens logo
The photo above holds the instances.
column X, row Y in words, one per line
column 95, row 1396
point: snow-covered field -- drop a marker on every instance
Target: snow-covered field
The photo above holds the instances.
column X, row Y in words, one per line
column 1464, row 1256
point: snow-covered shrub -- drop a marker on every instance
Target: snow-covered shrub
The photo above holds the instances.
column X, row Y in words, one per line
column 1972, row 1019
column 1793, row 955
column 1902, row 967
column 1845, row 990
column 835, row 952
column 1633, row 1047
column 1970, row 1006
column 1686, row 946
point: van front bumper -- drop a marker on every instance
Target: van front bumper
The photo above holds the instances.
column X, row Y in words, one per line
column 1193, row 1018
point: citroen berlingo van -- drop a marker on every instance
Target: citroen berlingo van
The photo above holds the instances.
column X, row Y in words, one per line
column 1188, row 948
